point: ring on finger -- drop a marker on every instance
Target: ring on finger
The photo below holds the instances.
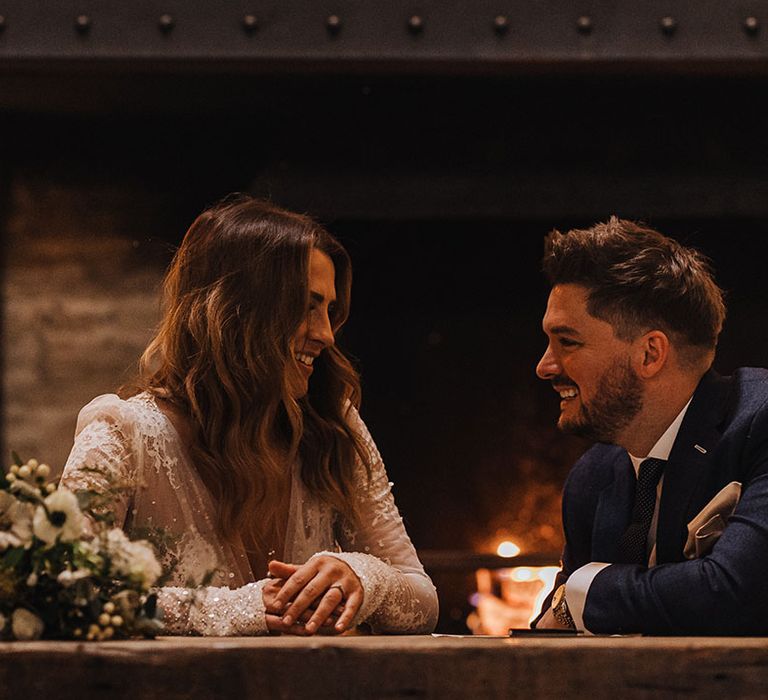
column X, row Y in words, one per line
column 340, row 589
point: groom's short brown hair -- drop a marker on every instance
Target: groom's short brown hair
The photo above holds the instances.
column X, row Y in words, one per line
column 638, row 279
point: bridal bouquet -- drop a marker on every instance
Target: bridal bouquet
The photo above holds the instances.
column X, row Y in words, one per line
column 65, row 576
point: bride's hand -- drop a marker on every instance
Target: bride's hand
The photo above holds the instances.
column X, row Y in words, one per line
column 269, row 594
column 275, row 623
column 324, row 583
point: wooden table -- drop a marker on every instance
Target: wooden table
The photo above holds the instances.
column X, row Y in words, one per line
column 386, row 667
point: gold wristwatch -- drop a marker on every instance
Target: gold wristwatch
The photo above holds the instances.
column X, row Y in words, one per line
column 560, row 608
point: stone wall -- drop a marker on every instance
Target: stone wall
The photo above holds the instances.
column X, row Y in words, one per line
column 80, row 300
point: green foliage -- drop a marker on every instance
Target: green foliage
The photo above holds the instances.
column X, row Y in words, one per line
column 12, row 557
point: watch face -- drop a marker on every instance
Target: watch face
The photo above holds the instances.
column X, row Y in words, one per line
column 557, row 599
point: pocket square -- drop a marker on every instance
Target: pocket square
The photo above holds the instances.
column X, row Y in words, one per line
column 705, row 529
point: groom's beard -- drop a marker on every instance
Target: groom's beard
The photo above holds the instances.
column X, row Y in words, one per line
column 618, row 399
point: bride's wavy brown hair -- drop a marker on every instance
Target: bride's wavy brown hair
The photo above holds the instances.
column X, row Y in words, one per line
column 234, row 297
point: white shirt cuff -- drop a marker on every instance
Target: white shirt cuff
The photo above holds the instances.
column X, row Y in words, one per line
column 576, row 589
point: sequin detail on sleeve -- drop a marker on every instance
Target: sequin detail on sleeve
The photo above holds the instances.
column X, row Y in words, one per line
column 214, row 612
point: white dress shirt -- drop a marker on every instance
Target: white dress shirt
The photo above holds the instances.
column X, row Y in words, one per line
column 581, row 579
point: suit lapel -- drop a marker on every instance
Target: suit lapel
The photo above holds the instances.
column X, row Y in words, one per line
column 614, row 510
column 690, row 462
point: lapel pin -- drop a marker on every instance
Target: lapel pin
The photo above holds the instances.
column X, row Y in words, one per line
column 700, row 449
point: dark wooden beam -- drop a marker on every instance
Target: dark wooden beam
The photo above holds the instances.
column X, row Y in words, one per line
column 431, row 35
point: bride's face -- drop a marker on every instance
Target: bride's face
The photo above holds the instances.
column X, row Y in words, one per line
column 315, row 333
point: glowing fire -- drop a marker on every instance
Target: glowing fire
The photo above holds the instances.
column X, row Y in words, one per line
column 510, row 597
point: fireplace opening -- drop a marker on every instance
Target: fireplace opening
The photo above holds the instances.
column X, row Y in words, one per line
column 442, row 188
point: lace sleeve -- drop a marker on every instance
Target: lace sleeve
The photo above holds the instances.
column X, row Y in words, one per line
column 398, row 595
column 101, row 459
column 214, row 612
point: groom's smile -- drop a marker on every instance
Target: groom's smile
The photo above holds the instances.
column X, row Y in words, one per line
column 588, row 366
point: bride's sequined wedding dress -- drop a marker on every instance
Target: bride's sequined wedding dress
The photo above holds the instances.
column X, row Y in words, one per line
column 132, row 444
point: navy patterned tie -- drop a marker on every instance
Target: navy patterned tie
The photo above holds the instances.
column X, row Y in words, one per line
column 634, row 542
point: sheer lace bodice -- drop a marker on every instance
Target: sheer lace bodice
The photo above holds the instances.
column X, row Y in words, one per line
column 130, row 446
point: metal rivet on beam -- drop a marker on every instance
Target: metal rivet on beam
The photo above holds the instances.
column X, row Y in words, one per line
column 584, row 24
column 416, row 24
column 751, row 25
column 333, row 24
column 668, row 25
column 83, row 24
column 501, row 24
column 166, row 23
column 250, row 23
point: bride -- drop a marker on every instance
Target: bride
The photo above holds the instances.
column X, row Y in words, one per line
column 241, row 447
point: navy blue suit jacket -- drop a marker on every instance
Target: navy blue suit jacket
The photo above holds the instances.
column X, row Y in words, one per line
column 721, row 593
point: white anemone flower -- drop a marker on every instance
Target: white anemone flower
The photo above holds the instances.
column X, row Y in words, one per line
column 136, row 560
column 26, row 625
column 59, row 519
column 15, row 522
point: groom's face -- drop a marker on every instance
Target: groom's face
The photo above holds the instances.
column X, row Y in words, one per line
column 589, row 367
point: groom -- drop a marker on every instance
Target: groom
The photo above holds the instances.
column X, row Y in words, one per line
column 666, row 516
